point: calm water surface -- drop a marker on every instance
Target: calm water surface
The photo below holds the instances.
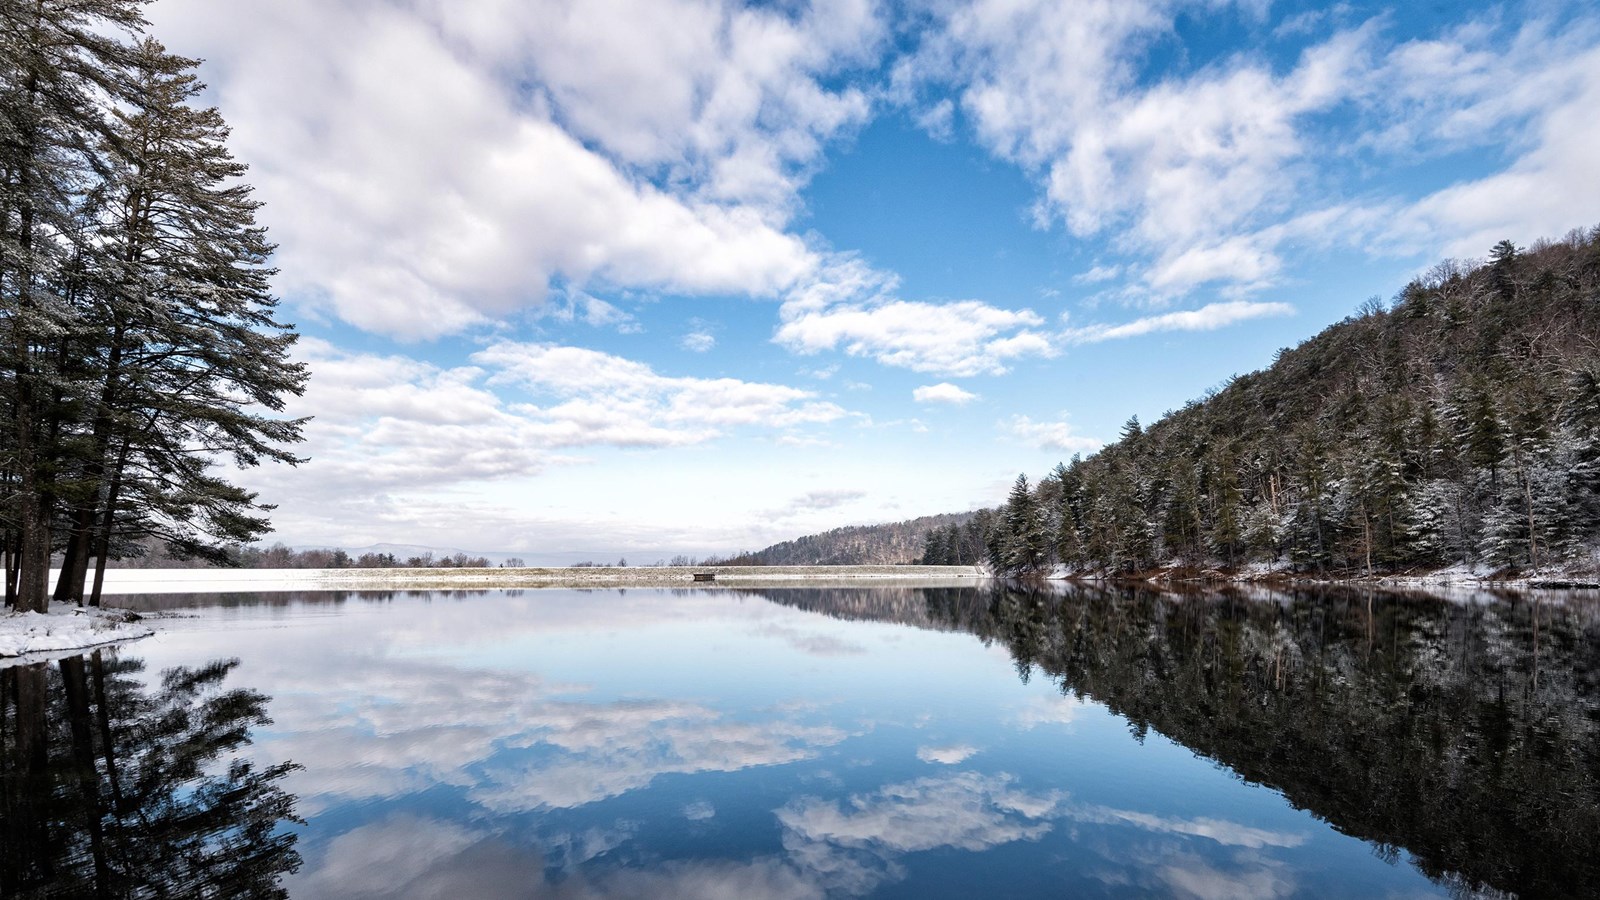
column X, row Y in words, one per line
column 890, row 742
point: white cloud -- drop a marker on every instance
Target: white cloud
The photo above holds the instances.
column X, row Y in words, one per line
column 726, row 97
column 815, row 643
column 1050, row 435
column 1097, row 274
column 959, row 339
column 1057, row 709
column 1167, row 166
column 603, row 758
column 1207, row 318
column 1200, row 170
column 414, row 858
column 1553, row 186
column 393, row 423
column 1222, row 831
column 600, row 392
column 948, row 756
column 1189, row 876
column 697, row 341
column 428, row 168
column 965, row 810
column 944, row 392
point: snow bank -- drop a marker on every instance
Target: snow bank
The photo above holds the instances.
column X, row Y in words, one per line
column 65, row 628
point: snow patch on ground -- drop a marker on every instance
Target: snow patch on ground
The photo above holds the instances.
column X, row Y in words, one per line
column 31, row 634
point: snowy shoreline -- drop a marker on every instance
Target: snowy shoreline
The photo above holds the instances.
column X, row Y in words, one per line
column 27, row 637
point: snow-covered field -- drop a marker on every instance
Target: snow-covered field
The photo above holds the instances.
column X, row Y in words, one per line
column 31, row 636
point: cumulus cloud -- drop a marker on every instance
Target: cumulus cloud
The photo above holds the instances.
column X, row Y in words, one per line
column 1207, row 318
column 944, row 392
column 428, row 168
column 596, row 390
column 1050, row 435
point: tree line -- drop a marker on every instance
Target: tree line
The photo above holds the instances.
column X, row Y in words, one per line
column 1457, row 424
column 139, row 347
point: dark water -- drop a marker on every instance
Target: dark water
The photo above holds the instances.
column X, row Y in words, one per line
column 891, row 742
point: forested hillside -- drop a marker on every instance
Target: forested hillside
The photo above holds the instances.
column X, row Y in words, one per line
column 1459, row 423
column 864, row 545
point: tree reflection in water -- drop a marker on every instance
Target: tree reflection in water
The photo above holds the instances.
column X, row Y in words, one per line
column 1466, row 734
column 109, row 788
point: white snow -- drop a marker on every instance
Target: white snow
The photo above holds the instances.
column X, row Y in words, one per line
column 64, row 628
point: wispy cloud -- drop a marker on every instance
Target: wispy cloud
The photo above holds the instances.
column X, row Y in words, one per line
column 387, row 422
column 1207, row 318
column 854, row 309
column 1098, row 274
column 1196, row 175
column 1050, row 435
column 697, row 341
column 811, row 501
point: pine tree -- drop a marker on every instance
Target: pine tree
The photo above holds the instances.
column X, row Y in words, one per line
column 139, row 333
column 1024, row 544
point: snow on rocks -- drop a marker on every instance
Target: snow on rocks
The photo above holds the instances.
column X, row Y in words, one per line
column 29, row 634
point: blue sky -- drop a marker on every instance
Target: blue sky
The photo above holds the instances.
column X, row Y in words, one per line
column 641, row 277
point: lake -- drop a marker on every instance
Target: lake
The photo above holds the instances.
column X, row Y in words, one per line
column 815, row 742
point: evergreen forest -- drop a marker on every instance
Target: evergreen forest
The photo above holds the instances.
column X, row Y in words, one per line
column 1458, row 424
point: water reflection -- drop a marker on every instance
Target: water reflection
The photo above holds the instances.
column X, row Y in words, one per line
column 1464, row 733
column 112, row 788
column 670, row 743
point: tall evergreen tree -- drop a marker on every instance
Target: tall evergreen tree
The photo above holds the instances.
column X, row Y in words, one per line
column 139, row 338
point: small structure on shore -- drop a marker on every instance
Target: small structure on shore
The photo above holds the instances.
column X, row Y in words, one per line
column 705, row 576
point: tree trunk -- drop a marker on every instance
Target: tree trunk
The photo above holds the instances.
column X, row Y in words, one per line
column 108, row 522
column 75, row 565
column 33, row 570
